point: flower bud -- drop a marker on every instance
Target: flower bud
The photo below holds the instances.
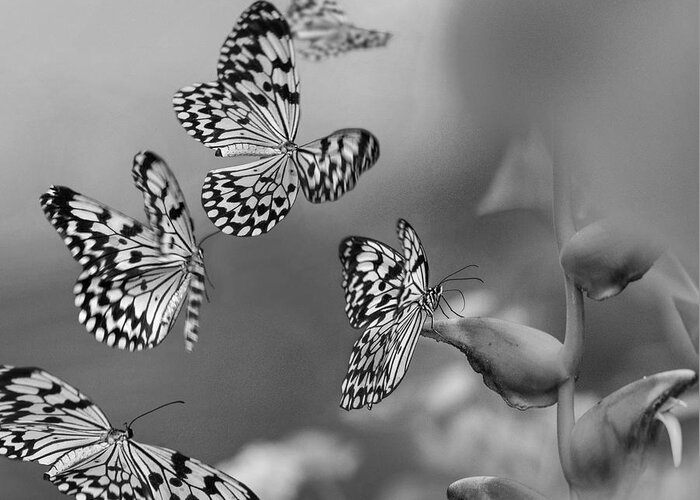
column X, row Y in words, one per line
column 609, row 442
column 520, row 363
column 603, row 257
column 490, row 488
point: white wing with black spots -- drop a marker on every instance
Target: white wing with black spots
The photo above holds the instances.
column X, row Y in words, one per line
column 373, row 275
column 330, row 167
column 135, row 278
column 250, row 199
column 44, row 419
column 322, row 30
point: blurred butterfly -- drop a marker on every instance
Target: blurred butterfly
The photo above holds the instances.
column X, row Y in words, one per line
column 387, row 294
column 135, row 277
column 322, row 29
column 253, row 109
column 45, row 420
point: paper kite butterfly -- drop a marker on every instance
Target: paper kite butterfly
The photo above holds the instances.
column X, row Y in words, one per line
column 321, row 29
column 387, row 294
column 45, row 420
column 253, row 110
column 135, row 276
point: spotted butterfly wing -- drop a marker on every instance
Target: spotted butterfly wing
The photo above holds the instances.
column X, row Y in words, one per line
column 385, row 293
column 135, row 277
column 45, row 420
column 253, row 110
column 321, row 30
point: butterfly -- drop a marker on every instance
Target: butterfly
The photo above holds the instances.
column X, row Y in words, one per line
column 253, row 109
column 321, row 29
column 387, row 294
column 43, row 419
column 135, row 277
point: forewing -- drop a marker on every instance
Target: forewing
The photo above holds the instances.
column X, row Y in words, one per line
column 171, row 474
column 107, row 474
column 340, row 40
column 224, row 120
column 42, row 417
column 134, row 313
column 380, row 358
column 330, row 167
column 311, row 14
column 103, row 240
column 250, row 199
column 165, row 205
column 416, row 282
column 372, row 277
column 257, row 62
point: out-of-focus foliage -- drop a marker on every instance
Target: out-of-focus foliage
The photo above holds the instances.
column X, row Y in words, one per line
column 605, row 256
column 306, row 461
column 610, row 442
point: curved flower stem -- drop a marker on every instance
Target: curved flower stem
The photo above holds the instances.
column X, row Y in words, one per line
column 564, row 228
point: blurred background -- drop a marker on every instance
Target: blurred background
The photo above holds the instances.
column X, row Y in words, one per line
column 470, row 100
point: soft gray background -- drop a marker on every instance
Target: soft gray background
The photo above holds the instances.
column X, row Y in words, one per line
column 85, row 85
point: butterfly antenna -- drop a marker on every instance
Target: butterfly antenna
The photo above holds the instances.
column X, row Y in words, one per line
column 450, row 308
column 208, row 236
column 462, row 279
column 457, row 272
column 464, row 301
column 128, row 426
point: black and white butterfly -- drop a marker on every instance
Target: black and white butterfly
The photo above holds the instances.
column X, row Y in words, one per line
column 45, row 420
column 252, row 109
column 135, row 276
column 321, row 29
column 387, row 294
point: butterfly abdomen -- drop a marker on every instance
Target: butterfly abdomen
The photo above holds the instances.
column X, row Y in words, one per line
column 247, row 150
column 75, row 456
column 194, row 302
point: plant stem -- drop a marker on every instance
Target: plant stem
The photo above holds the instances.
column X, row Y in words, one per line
column 565, row 228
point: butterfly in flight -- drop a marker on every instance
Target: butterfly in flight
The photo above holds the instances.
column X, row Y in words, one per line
column 45, row 420
column 321, row 29
column 135, row 277
column 387, row 294
column 252, row 109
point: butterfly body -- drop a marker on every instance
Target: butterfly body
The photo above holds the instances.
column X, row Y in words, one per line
column 45, row 420
column 135, row 276
column 252, row 109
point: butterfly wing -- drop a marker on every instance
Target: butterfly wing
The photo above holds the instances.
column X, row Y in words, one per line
column 42, row 417
column 373, row 274
column 165, row 204
column 255, row 101
column 322, row 30
column 416, row 277
column 330, row 167
column 380, row 358
column 100, row 238
column 250, row 199
column 311, row 13
column 342, row 39
column 171, row 474
column 129, row 292
column 107, row 473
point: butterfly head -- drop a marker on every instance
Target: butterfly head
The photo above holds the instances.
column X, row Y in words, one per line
column 431, row 299
column 287, row 147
